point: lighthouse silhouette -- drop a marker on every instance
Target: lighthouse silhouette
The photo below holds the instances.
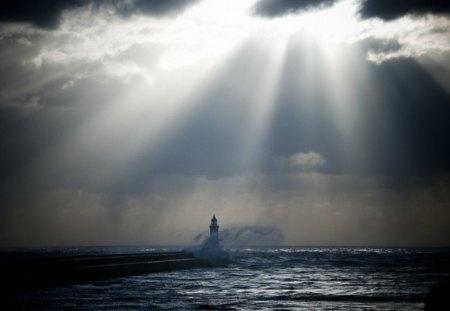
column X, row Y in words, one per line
column 214, row 231
column 211, row 248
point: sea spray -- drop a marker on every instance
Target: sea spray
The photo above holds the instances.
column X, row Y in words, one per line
column 245, row 236
column 234, row 237
column 251, row 235
column 210, row 246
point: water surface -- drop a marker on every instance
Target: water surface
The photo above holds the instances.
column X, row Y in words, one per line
column 259, row 279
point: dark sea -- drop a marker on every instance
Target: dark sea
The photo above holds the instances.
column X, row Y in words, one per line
column 282, row 278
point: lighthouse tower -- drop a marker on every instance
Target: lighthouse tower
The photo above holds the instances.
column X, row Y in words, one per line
column 214, row 232
column 211, row 249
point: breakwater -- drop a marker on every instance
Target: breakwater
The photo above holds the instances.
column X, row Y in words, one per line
column 25, row 273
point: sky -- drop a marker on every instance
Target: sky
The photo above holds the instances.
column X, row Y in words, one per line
column 295, row 122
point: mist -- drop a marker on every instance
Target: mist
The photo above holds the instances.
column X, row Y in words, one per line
column 301, row 209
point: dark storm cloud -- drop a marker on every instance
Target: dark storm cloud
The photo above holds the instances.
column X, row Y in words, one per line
column 47, row 13
column 153, row 7
column 389, row 10
column 273, row 8
column 44, row 13
column 384, row 9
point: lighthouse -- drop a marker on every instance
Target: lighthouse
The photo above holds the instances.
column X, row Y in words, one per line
column 211, row 248
column 214, row 232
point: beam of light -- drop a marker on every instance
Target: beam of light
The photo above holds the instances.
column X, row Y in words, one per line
column 208, row 31
column 334, row 25
column 139, row 119
column 144, row 115
column 438, row 66
column 260, row 97
column 191, row 48
column 327, row 89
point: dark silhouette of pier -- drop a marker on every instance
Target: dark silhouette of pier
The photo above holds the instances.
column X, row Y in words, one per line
column 20, row 273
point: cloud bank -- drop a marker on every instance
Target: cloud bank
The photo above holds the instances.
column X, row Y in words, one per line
column 389, row 10
column 383, row 9
column 48, row 13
